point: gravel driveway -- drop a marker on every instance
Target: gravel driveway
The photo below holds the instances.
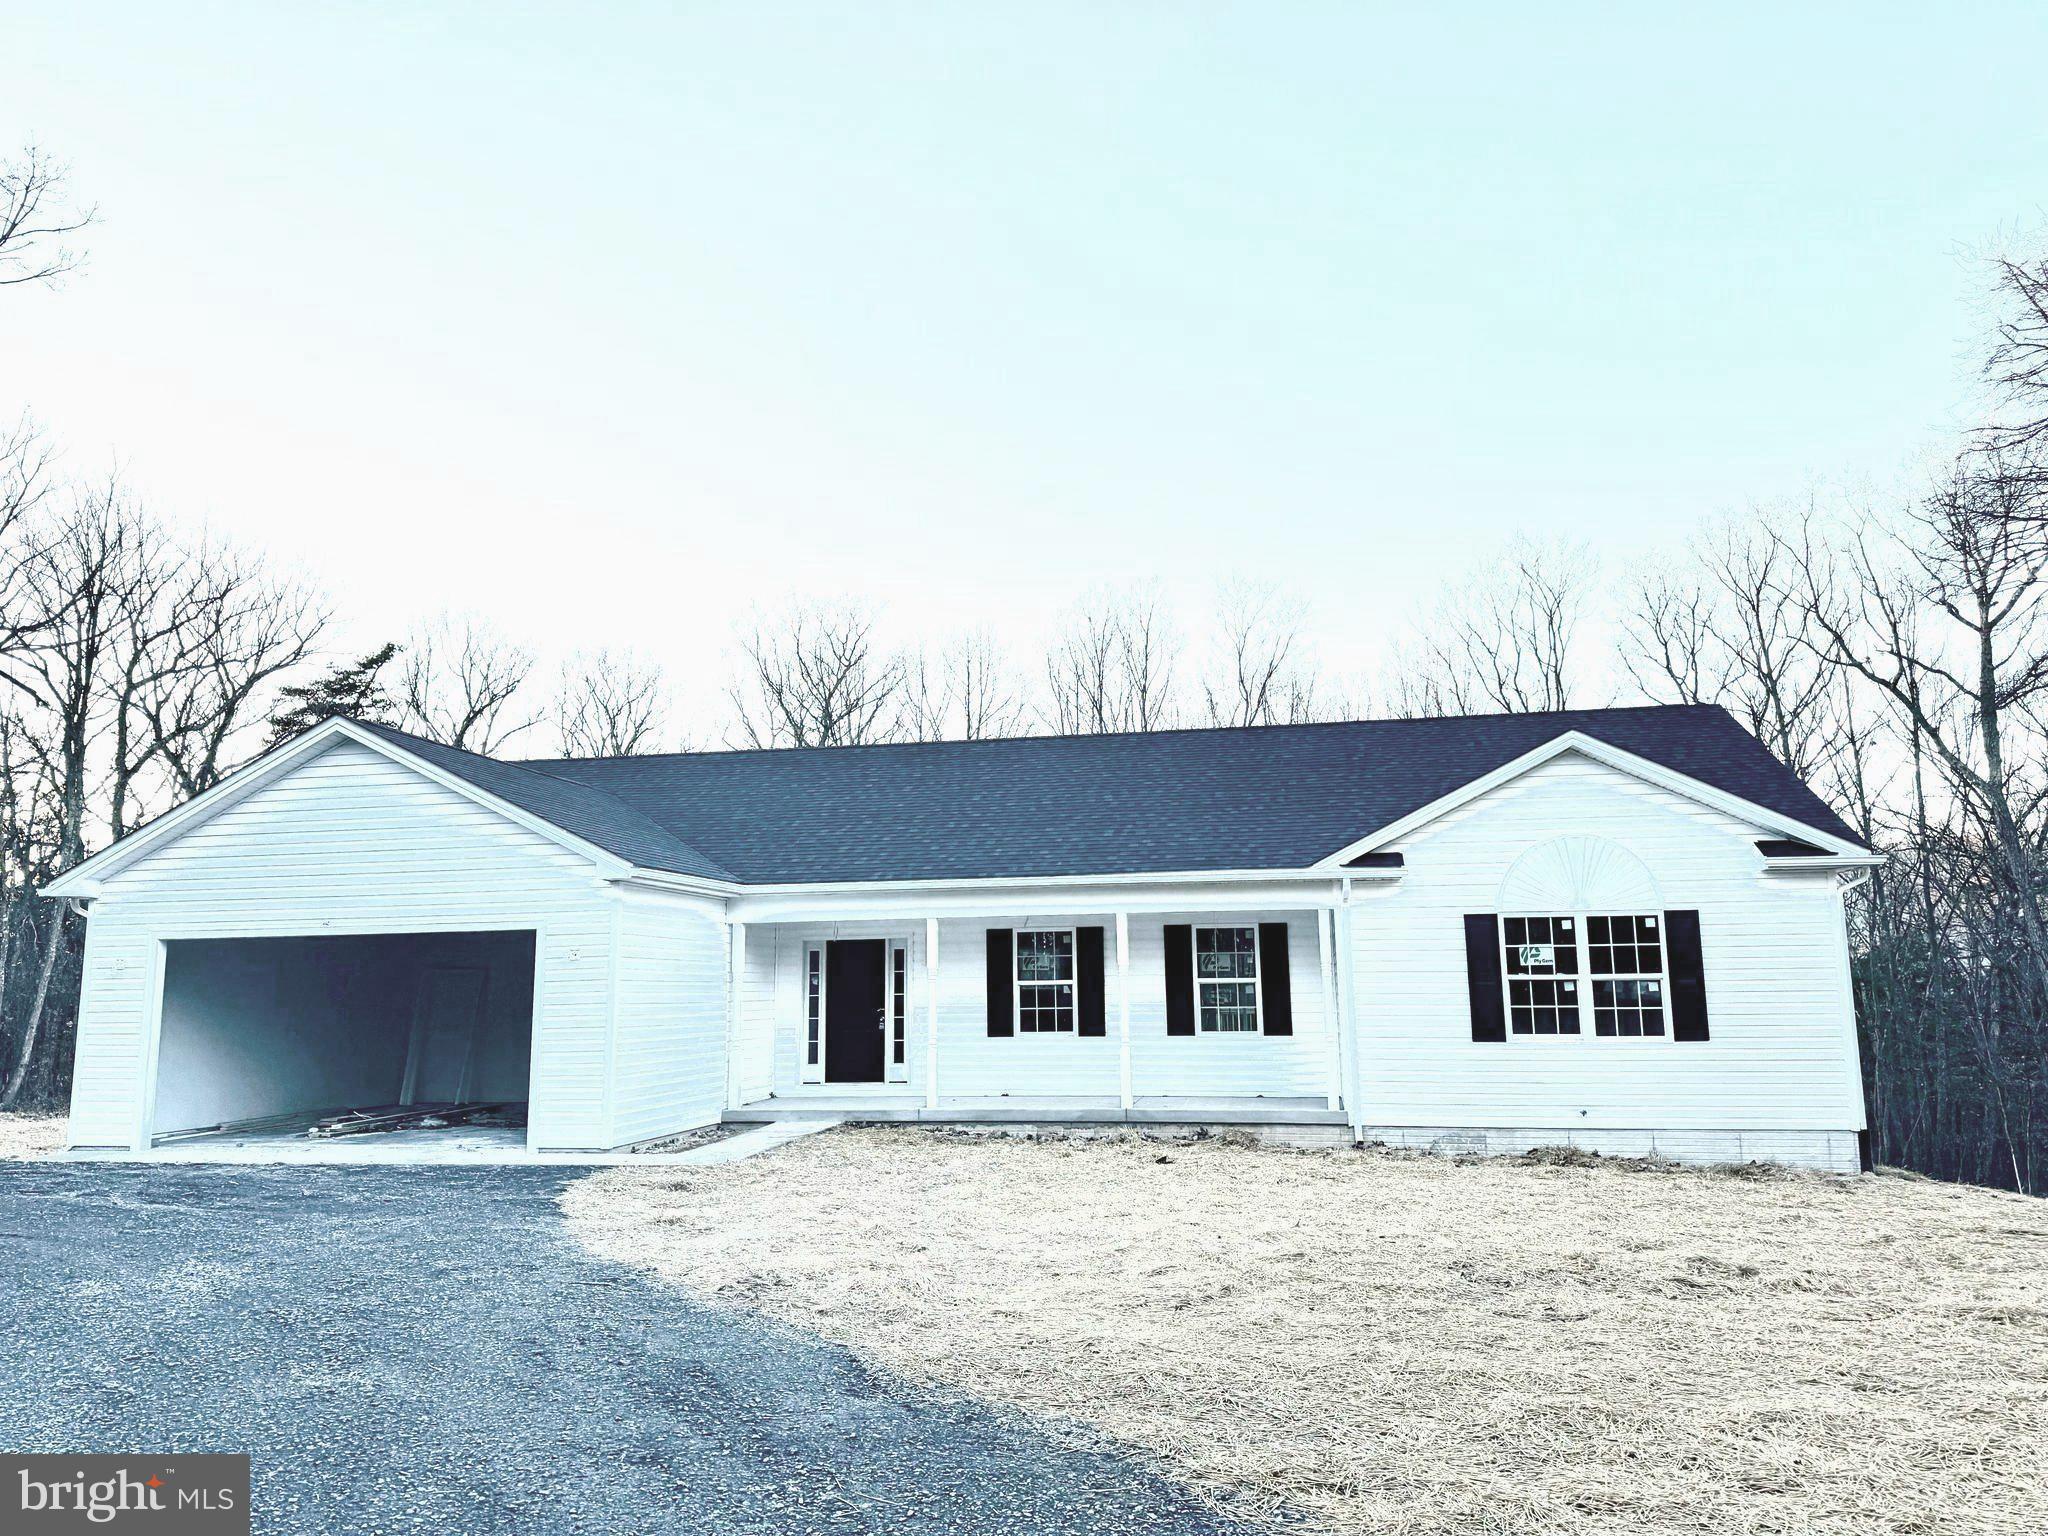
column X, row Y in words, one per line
column 424, row 1350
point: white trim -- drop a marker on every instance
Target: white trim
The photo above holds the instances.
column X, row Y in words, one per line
column 1325, row 943
column 1820, row 864
column 85, row 879
column 533, row 1030
column 1123, row 1008
column 609, row 1098
column 895, row 1012
column 735, row 1009
column 152, row 1044
column 1613, row 757
column 1852, row 1045
column 809, row 1071
column 1035, row 882
column 931, row 1013
column 1001, row 910
column 1347, row 1010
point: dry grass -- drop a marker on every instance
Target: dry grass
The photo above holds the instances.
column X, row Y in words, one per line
column 24, row 1137
column 1388, row 1343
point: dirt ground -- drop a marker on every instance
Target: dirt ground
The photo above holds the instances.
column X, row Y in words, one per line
column 1390, row 1343
column 24, row 1137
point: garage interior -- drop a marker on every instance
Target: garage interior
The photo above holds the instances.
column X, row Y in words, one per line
column 299, row 1036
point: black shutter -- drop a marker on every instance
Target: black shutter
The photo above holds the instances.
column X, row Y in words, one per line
column 1088, row 976
column 1180, row 978
column 1002, row 991
column 1277, row 994
column 1688, row 975
column 1482, row 976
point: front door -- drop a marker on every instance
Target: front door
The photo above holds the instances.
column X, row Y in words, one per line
column 855, row 1016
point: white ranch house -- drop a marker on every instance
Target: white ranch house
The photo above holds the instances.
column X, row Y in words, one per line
column 1621, row 929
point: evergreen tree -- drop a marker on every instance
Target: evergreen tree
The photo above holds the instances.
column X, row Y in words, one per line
column 355, row 690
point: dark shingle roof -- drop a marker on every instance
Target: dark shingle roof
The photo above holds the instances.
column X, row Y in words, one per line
column 1275, row 797
column 577, row 808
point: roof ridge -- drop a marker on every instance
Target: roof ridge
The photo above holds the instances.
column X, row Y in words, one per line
column 537, row 763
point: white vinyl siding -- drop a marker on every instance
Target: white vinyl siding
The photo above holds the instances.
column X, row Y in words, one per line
column 1780, row 1057
column 351, row 842
column 1063, row 1064
column 668, row 1052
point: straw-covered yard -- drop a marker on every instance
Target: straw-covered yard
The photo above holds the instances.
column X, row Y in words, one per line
column 30, row 1136
column 1389, row 1343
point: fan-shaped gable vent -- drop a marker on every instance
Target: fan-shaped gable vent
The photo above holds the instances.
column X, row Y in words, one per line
column 1579, row 874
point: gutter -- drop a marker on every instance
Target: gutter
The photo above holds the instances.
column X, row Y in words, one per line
column 995, row 883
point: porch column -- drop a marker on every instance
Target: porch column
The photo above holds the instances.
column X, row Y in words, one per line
column 931, row 1013
column 1123, row 1006
column 735, row 1017
column 1325, row 921
column 1347, row 1006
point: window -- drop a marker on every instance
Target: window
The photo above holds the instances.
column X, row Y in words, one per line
column 1542, row 970
column 1045, row 981
column 1553, row 962
column 1227, row 981
column 899, row 979
column 1626, row 959
column 814, row 1011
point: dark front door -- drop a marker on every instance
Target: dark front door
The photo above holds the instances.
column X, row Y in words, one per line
column 854, row 1035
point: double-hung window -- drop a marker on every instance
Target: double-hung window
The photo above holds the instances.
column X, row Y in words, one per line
column 1227, row 980
column 1625, row 956
column 1045, row 981
column 1561, row 966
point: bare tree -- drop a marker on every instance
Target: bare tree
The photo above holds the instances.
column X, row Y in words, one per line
column 1977, row 564
column 815, row 677
column 24, row 484
column 1112, row 668
column 459, row 684
column 151, row 661
column 609, row 706
column 966, row 693
column 1262, row 675
column 23, row 837
column 2017, row 367
column 78, row 573
column 247, row 631
column 1730, row 633
column 1506, row 642
column 35, row 218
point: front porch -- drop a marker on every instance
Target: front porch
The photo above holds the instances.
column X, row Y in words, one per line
column 904, row 1107
column 1182, row 1007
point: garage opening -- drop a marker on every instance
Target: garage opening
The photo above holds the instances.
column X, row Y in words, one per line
column 291, row 1033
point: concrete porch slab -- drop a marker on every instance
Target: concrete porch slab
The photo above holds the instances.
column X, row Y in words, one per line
column 896, row 1110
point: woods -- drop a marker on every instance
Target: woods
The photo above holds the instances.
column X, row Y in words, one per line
column 1896, row 656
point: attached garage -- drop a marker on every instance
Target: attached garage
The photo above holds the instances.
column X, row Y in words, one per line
column 353, row 923
column 283, row 1028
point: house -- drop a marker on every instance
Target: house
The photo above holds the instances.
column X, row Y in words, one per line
column 1619, row 928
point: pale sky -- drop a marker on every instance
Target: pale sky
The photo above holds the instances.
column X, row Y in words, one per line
column 608, row 322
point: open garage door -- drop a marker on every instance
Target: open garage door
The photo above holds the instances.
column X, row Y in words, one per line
column 270, row 1029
